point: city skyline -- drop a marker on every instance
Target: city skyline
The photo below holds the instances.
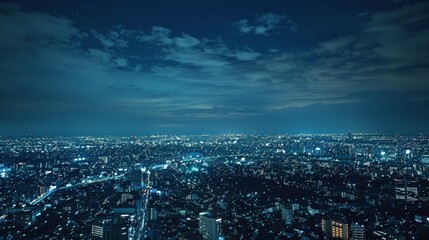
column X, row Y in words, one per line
column 214, row 187
column 144, row 67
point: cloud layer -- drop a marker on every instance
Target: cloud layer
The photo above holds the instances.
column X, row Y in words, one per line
column 52, row 69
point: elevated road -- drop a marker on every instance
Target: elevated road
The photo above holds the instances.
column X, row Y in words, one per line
column 144, row 215
column 83, row 182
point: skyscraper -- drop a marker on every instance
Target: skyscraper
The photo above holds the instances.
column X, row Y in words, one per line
column 335, row 229
column 209, row 226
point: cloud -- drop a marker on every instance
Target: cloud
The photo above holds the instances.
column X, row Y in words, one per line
column 9, row 6
column 24, row 30
column 111, row 38
column 99, row 55
column 52, row 68
column 247, row 55
column 195, row 57
column 265, row 24
column 207, row 55
column 243, row 26
column 186, row 41
column 121, row 62
column 401, row 35
column 159, row 35
column 389, row 54
column 104, row 40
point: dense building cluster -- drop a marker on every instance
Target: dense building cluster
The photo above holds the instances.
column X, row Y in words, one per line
column 232, row 186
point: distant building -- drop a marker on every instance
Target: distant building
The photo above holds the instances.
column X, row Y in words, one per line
column 406, row 190
column 425, row 159
column 125, row 197
column 209, row 226
column 295, row 206
column 109, row 228
column 42, row 189
column 358, row 231
column 335, row 229
column 104, row 159
column 153, row 213
column 137, row 179
column 287, row 214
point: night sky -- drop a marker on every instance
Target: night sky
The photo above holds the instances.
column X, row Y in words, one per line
column 188, row 67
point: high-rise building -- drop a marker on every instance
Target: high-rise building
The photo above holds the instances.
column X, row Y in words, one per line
column 153, row 213
column 287, row 214
column 209, row 226
column 358, row 231
column 109, row 228
column 333, row 228
column 137, row 179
